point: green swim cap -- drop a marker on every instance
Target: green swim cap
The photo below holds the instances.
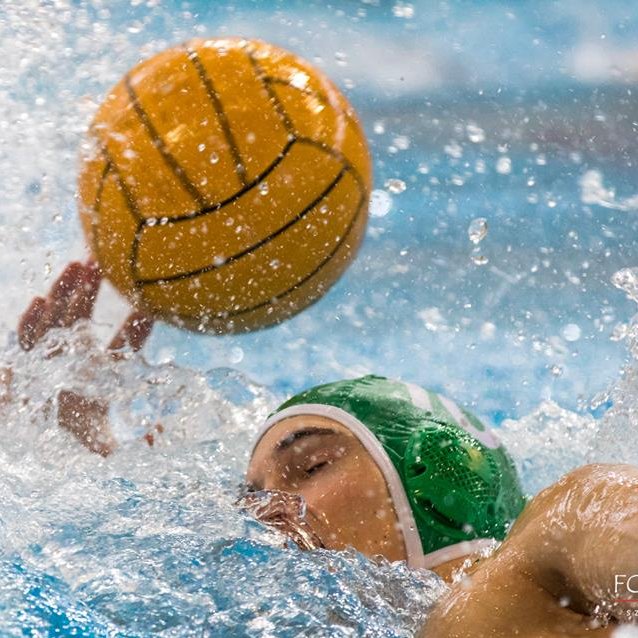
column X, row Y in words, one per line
column 451, row 481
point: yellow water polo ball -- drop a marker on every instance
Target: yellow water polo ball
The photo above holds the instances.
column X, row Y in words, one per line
column 224, row 185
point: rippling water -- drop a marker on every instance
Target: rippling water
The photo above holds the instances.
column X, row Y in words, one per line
column 149, row 541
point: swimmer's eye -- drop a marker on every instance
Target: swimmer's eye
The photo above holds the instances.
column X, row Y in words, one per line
column 315, row 468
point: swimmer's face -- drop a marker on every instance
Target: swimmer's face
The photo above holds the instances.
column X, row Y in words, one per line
column 347, row 497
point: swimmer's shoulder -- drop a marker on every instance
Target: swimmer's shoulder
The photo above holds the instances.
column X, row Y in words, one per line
column 499, row 600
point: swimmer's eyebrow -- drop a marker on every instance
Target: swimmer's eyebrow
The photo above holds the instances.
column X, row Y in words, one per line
column 287, row 441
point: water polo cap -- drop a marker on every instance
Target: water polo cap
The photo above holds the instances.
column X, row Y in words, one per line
column 453, row 485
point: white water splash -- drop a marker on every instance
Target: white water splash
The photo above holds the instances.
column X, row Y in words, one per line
column 594, row 192
column 149, row 540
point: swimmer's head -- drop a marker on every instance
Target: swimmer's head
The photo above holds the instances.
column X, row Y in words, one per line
column 391, row 469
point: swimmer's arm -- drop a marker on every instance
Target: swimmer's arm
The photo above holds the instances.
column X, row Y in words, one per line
column 565, row 551
column 72, row 298
column 581, row 537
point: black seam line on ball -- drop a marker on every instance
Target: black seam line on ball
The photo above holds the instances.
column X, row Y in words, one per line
column 160, row 145
column 143, row 223
column 97, row 205
column 247, row 251
column 131, row 205
column 128, row 197
column 322, row 97
column 214, row 208
column 301, row 282
column 274, row 98
column 338, row 155
column 213, row 96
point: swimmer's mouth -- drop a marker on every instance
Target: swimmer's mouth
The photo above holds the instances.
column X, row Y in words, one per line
column 285, row 512
column 438, row 516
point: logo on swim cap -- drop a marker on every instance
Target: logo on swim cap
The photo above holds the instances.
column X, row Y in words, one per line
column 421, row 398
column 459, row 481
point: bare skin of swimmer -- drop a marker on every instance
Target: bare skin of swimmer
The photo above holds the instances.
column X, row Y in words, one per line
column 346, row 494
column 71, row 299
column 568, row 545
column 559, row 560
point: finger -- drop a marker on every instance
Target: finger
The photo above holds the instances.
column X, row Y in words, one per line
column 82, row 302
column 133, row 333
column 30, row 326
column 61, row 293
column 67, row 282
column 92, row 283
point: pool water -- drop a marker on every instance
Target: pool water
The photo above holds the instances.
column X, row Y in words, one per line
column 504, row 144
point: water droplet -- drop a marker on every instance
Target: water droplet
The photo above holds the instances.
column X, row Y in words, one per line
column 403, row 10
column 454, row 149
column 201, row 148
column 236, row 355
column 475, row 133
column 571, row 332
column 151, row 221
column 299, row 79
column 504, row 165
column 480, row 260
column 379, row 127
column 341, row 58
column 395, row 185
column 263, row 188
column 556, row 370
column 619, row 332
column 380, row 203
column 627, row 280
column 274, row 264
column 402, row 142
column 477, row 230
column 214, row 158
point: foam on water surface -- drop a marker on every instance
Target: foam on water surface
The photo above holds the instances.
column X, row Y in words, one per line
column 150, row 541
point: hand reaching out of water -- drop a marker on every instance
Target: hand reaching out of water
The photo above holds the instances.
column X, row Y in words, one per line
column 71, row 299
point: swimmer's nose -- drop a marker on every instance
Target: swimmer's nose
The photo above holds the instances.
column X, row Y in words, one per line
column 284, row 512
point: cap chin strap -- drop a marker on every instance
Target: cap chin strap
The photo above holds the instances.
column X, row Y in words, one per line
column 413, row 547
column 452, row 552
